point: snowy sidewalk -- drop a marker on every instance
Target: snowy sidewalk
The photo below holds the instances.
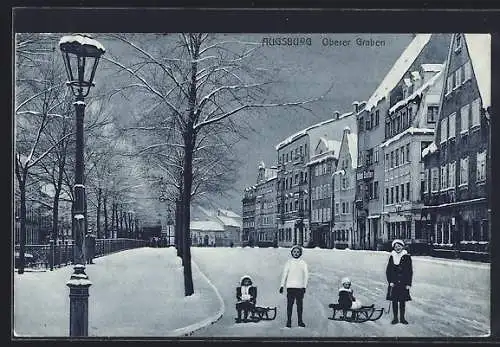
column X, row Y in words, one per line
column 138, row 292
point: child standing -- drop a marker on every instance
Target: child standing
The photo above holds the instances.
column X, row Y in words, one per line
column 399, row 274
column 294, row 278
column 246, row 294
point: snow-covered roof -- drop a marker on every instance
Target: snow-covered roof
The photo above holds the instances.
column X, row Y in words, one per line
column 411, row 131
column 83, row 40
column 417, row 92
column 432, row 67
column 262, row 165
column 398, row 70
column 305, row 131
column 429, row 149
column 228, row 221
column 479, row 47
column 228, row 213
column 321, row 157
column 206, row 225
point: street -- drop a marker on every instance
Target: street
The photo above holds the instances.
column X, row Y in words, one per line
column 450, row 298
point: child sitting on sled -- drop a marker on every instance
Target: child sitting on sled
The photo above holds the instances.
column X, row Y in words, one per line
column 347, row 299
column 246, row 294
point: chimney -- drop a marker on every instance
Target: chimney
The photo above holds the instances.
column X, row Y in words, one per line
column 347, row 130
column 337, row 114
column 356, row 106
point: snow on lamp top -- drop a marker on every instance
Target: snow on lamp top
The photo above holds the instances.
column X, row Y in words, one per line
column 85, row 45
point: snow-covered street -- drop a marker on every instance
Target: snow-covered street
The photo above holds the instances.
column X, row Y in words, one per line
column 140, row 293
column 450, row 298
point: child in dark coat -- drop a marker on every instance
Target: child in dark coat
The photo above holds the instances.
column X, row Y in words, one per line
column 347, row 299
column 399, row 274
column 246, row 294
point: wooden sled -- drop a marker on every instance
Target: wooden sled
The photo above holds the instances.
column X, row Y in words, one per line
column 361, row 315
column 259, row 313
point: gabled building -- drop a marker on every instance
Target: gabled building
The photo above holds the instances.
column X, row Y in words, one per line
column 293, row 184
column 371, row 117
column 220, row 228
column 457, row 163
column 320, row 167
column 344, row 234
column 409, row 127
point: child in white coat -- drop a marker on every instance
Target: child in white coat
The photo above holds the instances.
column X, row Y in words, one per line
column 295, row 277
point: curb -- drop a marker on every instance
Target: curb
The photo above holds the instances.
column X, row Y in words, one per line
column 190, row 329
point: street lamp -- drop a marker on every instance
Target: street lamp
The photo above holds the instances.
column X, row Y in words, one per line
column 81, row 55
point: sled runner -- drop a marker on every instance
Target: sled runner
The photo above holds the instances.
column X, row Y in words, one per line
column 360, row 315
column 259, row 313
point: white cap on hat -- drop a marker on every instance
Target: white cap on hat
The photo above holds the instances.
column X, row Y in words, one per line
column 401, row 242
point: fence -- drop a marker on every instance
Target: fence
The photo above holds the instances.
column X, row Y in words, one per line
column 50, row 256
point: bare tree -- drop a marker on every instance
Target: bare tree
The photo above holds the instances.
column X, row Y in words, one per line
column 40, row 100
column 201, row 81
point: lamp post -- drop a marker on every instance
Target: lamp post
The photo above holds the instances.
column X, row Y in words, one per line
column 81, row 55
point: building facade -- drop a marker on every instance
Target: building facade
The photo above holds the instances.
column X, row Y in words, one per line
column 423, row 49
column 457, row 174
column 219, row 229
column 409, row 127
column 266, row 231
column 321, row 167
column 248, row 228
column 344, row 233
column 292, row 190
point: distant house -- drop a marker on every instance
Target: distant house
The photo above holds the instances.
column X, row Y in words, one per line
column 217, row 228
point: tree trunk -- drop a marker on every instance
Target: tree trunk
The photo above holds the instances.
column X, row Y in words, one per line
column 98, row 216
column 186, row 214
column 105, row 211
column 121, row 221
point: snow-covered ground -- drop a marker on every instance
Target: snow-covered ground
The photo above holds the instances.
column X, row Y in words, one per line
column 138, row 292
column 450, row 298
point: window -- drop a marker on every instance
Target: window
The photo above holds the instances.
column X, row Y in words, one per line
column 451, row 175
column 397, row 193
column 408, row 152
column 407, row 190
column 392, row 159
column 387, row 196
column 368, row 127
column 287, row 157
column 434, row 179
column 444, row 129
column 449, row 84
column 458, row 42
column 296, row 178
column 481, row 167
column 432, row 114
column 402, row 192
column 346, row 207
column 475, row 106
column 464, row 119
column 305, row 177
column 324, row 168
column 458, row 77
column 392, row 195
column 370, row 190
column 426, row 181
column 402, row 152
column 377, row 118
column 464, row 171
column 397, row 157
column 467, row 71
column 337, row 208
column 344, row 182
column 376, row 155
column 375, row 190
column 451, row 132
column 360, row 124
column 372, row 123
column 343, row 208
column 387, row 161
column 444, row 177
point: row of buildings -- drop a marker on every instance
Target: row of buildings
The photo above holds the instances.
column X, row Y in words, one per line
column 411, row 162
